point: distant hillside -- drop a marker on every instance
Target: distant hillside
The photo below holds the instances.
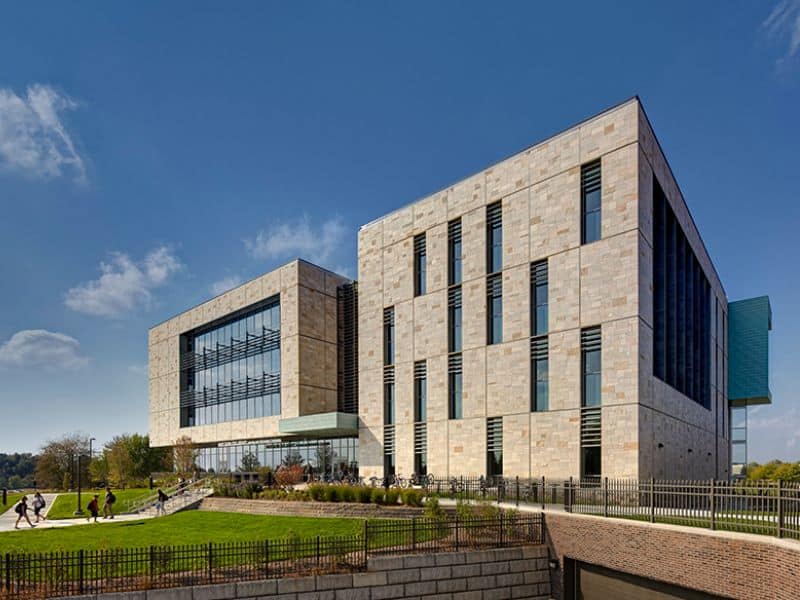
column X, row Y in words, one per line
column 16, row 470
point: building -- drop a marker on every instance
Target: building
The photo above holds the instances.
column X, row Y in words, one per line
column 554, row 315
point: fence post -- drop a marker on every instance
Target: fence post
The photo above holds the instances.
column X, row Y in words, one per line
column 605, row 496
column 318, row 551
column 8, row 572
column 544, row 492
column 366, row 537
column 456, row 523
column 266, row 558
column 210, row 562
column 568, row 495
column 414, row 533
column 80, row 571
column 711, row 506
column 652, row 500
column 152, row 565
column 517, row 490
column 780, row 509
column 501, row 530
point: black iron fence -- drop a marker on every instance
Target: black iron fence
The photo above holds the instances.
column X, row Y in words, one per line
column 128, row 569
column 762, row 507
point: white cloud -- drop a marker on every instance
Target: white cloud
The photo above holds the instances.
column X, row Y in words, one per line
column 299, row 239
column 225, row 284
column 33, row 139
column 784, row 22
column 124, row 285
column 42, row 348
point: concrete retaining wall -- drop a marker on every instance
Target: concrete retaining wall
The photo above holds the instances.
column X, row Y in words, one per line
column 308, row 509
column 484, row 575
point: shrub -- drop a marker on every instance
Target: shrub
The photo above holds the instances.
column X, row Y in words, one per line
column 289, row 476
column 377, row 496
column 411, row 497
column 392, row 496
column 463, row 509
column 363, row 494
column 347, row 493
column 317, row 491
column 331, row 493
column 432, row 508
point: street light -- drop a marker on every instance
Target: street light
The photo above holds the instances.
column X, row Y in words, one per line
column 79, row 511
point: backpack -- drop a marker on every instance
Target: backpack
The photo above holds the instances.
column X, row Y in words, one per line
column 111, row 498
column 18, row 508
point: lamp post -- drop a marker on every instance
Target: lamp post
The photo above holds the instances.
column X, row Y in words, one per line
column 79, row 510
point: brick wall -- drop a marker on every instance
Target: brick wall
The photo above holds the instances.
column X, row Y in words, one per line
column 727, row 564
column 484, row 575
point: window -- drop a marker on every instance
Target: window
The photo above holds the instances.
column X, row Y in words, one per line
column 591, row 438
column 454, row 315
column 421, row 448
column 454, row 252
column 539, row 378
column 420, row 391
column 455, row 408
column 389, row 445
column 590, row 462
column 590, row 202
column 420, row 265
column 388, row 396
column 388, row 336
column 494, row 237
column 494, row 447
column 681, row 308
column 539, row 293
column 494, row 309
column 215, row 384
column 591, row 366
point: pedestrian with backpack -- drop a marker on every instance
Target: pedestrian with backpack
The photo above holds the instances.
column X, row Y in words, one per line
column 22, row 512
column 161, row 502
column 94, row 509
column 38, row 506
column 108, row 505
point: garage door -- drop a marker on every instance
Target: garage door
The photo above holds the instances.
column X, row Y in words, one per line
column 597, row 583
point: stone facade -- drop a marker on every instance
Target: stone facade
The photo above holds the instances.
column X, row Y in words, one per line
column 648, row 428
column 308, row 353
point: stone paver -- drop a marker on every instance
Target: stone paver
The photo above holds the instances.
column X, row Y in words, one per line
column 8, row 518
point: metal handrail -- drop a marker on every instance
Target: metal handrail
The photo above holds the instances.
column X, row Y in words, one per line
column 142, row 504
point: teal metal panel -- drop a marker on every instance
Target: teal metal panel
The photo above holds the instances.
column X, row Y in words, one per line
column 333, row 423
column 749, row 324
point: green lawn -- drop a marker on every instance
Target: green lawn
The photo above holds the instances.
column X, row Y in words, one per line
column 12, row 500
column 189, row 527
column 65, row 504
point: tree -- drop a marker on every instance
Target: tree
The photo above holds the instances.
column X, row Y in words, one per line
column 185, row 454
column 250, row 462
column 21, row 466
column 774, row 470
column 58, row 461
column 98, row 468
column 292, row 458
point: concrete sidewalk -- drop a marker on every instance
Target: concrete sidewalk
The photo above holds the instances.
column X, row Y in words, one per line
column 8, row 518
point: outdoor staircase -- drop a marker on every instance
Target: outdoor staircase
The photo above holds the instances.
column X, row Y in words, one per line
column 180, row 498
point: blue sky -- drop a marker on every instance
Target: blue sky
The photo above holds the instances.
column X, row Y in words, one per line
column 153, row 153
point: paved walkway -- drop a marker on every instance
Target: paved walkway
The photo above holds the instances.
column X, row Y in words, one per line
column 8, row 518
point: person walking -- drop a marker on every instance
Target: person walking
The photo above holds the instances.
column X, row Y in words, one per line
column 38, row 507
column 22, row 512
column 94, row 509
column 161, row 502
column 108, row 505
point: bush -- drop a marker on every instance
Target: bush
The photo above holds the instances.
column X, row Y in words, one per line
column 463, row 509
column 411, row 497
column 347, row 493
column 331, row 493
column 392, row 496
column 486, row 510
column 317, row 491
column 289, row 476
column 363, row 494
column 377, row 496
column 432, row 508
